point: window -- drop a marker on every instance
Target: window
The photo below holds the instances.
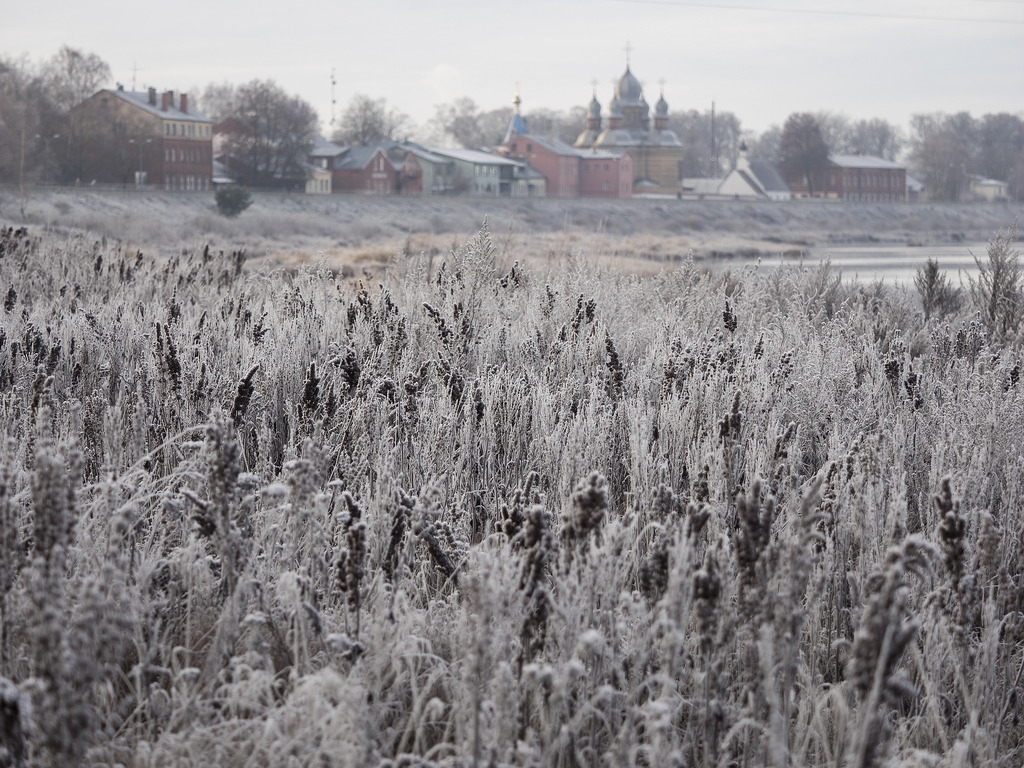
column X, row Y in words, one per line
column 529, row 147
column 604, row 187
column 606, row 166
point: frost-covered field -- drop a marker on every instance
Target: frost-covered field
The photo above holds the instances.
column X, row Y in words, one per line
column 488, row 514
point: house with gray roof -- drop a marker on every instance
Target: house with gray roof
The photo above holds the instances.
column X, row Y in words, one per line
column 486, row 174
column 369, row 169
column 143, row 138
column 753, row 180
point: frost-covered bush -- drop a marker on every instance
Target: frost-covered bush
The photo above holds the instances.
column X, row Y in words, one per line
column 481, row 515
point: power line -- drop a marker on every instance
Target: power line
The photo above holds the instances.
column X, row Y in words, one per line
column 819, row 12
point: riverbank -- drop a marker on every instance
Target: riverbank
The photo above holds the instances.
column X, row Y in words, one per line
column 360, row 232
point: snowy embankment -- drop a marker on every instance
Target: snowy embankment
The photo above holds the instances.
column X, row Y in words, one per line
column 368, row 230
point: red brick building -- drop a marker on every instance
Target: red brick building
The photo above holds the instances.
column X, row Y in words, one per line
column 605, row 174
column 143, row 138
column 368, row 170
column 570, row 172
column 857, row 178
column 559, row 162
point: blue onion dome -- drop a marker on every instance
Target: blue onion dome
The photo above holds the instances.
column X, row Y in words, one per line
column 661, row 108
column 628, row 90
column 615, row 107
column 594, row 108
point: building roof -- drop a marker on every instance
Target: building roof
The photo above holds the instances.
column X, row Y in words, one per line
column 559, row 147
column 600, row 154
column 981, row 181
column 517, row 126
column 553, row 145
column 140, row 99
column 425, row 154
column 628, row 90
column 863, row 161
column 475, row 156
column 357, row 158
column 661, row 108
column 324, row 148
column 701, row 186
column 768, row 176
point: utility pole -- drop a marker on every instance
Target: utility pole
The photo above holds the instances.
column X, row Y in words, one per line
column 333, row 101
column 714, row 144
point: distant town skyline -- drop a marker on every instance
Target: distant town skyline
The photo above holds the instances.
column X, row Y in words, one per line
column 759, row 59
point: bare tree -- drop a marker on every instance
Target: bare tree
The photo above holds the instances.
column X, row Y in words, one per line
column 462, row 122
column 766, row 145
column 72, row 76
column 30, row 127
column 1000, row 145
column 277, row 132
column 554, row 124
column 367, row 120
column 711, row 142
column 30, row 124
column 876, row 137
column 835, row 132
column 574, row 123
column 942, row 152
column 219, row 101
column 803, row 151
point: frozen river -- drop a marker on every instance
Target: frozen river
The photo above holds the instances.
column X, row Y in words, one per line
column 891, row 263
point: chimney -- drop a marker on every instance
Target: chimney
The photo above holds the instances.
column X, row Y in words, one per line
column 152, row 97
column 184, row 103
column 165, row 100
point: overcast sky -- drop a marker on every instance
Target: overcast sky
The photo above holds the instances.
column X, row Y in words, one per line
column 760, row 59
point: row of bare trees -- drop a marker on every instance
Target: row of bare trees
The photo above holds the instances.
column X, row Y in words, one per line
column 37, row 134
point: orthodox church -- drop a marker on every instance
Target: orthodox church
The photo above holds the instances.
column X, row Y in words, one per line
column 656, row 152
